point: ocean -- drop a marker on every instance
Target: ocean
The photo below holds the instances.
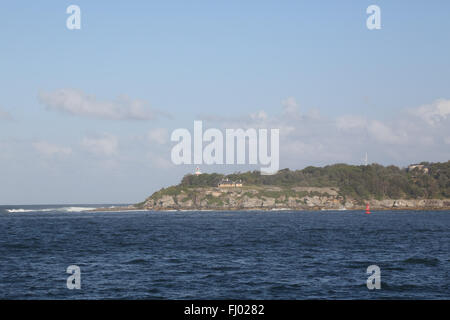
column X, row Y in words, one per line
column 222, row 255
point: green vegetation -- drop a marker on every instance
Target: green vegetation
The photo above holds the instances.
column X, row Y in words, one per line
column 357, row 182
column 203, row 180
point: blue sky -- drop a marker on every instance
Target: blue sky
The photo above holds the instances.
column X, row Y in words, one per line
column 383, row 91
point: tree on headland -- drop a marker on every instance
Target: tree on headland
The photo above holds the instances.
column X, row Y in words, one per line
column 353, row 181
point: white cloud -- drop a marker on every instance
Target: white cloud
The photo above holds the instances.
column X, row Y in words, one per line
column 260, row 115
column 384, row 134
column 350, row 122
column 319, row 140
column 49, row 150
column 290, row 107
column 158, row 135
column 107, row 145
column 76, row 102
column 434, row 113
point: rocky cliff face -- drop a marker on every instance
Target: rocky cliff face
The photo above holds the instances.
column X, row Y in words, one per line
column 273, row 198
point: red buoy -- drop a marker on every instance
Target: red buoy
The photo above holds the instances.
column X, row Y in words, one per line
column 367, row 208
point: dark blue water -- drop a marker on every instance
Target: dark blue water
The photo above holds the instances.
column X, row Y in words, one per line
column 224, row 255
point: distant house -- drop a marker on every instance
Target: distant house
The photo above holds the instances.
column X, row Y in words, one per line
column 420, row 167
column 227, row 183
column 197, row 171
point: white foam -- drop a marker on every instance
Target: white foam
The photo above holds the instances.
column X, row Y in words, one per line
column 77, row 209
column 18, row 210
column 65, row 209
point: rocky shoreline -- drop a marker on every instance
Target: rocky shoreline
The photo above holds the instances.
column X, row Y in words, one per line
column 272, row 198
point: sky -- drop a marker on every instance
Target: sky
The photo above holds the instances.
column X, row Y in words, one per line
column 86, row 115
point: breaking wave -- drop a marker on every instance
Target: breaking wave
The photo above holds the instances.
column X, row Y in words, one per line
column 62, row 209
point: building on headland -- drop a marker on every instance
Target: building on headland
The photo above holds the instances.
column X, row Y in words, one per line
column 197, row 171
column 420, row 167
column 227, row 183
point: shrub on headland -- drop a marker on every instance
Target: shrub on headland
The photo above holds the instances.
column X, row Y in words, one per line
column 357, row 182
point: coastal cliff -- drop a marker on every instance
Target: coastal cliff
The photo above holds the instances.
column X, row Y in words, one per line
column 276, row 198
column 421, row 186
